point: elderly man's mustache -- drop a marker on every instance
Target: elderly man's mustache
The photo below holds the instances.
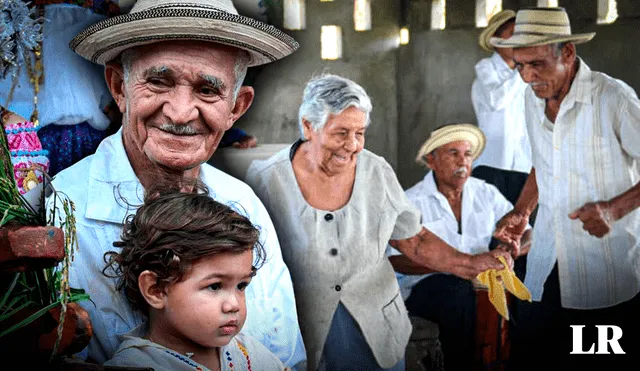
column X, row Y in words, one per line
column 461, row 171
column 178, row 129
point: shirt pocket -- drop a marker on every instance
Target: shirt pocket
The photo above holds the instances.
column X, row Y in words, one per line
column 397, row 319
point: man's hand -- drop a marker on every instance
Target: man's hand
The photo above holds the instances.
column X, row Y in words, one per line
column 246, row 142
column 510, row 229
column 596, row 218
column 523, row 247
column 488, row 260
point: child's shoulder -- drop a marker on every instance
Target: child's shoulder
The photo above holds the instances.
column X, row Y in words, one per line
column 133, row 354
column 246, row 351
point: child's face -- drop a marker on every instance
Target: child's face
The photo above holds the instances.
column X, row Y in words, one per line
column 208, row 307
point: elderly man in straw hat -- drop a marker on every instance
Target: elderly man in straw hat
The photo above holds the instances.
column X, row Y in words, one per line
column 175, row 70
column 462, row 211
column 584, row 128
column 497, row 95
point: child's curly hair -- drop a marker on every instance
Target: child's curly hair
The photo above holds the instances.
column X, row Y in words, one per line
column 171, row 231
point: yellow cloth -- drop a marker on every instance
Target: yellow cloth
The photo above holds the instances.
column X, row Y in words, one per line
column 512, row 283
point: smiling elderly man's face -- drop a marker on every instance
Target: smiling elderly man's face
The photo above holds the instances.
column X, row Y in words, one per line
column 451, row 163
column 178, row 100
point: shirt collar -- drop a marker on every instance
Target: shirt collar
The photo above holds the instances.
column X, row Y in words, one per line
column 583, row 83
column 430, row 189
column 580, row 90
column 114, row 189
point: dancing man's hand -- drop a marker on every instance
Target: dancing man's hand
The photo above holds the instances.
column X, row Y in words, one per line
column 596, row 218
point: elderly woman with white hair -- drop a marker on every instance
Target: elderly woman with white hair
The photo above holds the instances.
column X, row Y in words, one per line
column 336, row 206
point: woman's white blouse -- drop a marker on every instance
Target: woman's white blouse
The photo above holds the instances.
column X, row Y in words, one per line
column 339, row 256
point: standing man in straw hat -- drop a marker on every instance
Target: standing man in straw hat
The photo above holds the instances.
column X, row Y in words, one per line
column 584, row 128
column 175, row 70
column 462, row 211
column 497, row 95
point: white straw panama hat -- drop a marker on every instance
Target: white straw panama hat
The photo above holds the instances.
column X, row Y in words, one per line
column 453, row 133
column 494, row 23
column 151, row 21
column 541, row 26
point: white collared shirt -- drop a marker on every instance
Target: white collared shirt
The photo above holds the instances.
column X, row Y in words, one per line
column 497, row 95
column 99, row 186
column 482, row 206
column 590, row 154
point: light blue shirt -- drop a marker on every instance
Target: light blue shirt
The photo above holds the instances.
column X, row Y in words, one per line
column 482, row 206
column 99, row 186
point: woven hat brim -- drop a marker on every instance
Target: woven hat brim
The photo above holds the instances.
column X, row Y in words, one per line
column 488, row 32
column 105, row 40
column 527, row 40
column 453, row 133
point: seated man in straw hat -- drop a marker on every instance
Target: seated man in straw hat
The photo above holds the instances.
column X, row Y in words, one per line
column 176, row 71
column 584, row 129
column 462, row 211
column 497, row 95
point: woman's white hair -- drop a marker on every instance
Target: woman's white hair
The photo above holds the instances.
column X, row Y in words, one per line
column 330, row 94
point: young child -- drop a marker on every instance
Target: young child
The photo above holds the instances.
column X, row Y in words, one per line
column 185, row 263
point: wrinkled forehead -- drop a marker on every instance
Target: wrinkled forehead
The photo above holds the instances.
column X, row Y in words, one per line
column 350, row 118
column 532, row 53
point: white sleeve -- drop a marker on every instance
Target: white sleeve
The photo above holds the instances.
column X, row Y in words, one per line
column 495, row 92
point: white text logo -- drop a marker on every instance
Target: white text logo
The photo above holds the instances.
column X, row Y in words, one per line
column 603, row 341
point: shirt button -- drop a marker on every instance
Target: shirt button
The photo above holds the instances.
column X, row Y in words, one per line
column 338, row 287
column 328, row 217
column 334, row 251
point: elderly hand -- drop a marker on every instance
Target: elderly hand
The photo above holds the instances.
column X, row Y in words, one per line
column 596, row 217
column 487, row 260
column 510, row 229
